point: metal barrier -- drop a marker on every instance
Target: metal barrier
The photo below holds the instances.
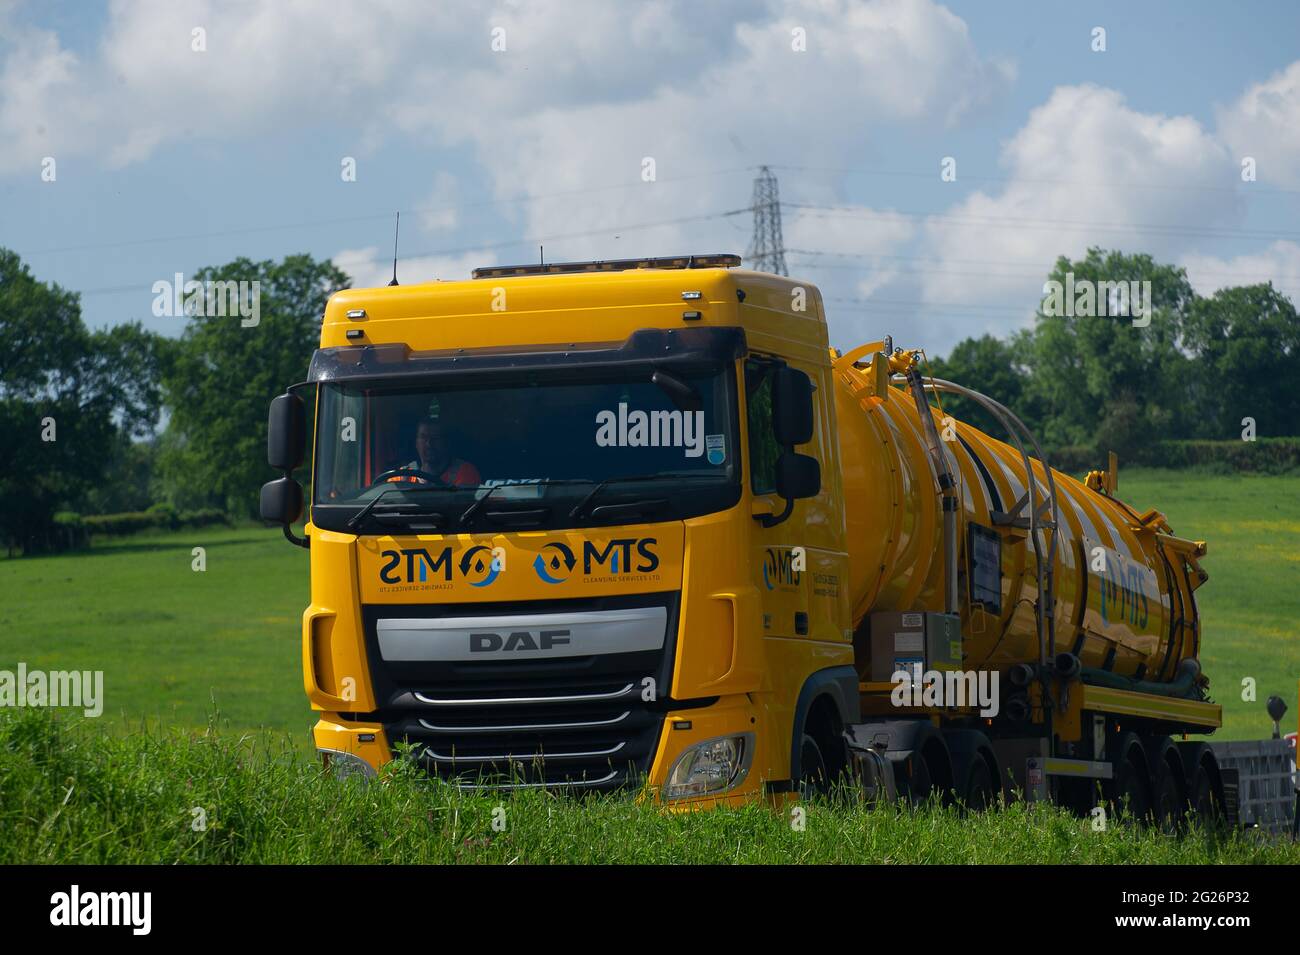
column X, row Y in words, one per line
column 1266, row 783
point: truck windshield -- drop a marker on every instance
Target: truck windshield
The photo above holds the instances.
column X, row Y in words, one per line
column 548, row 452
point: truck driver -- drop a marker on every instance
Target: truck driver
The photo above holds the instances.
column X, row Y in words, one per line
column 433, row 456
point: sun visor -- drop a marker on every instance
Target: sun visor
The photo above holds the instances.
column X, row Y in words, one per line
column 646, row 348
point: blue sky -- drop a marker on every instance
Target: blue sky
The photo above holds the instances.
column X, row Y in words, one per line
column 169, row 158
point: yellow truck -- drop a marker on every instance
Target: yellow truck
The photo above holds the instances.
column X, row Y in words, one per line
column 599, row 525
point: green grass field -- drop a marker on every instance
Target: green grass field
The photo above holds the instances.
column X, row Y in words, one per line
column 175, row 644
column 68, row 793
column 1250, row 607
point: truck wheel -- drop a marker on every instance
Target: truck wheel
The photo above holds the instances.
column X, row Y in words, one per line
column 979, row 787
column 1129, row 790
column 1205, row 802
column 1169, row 787
column 812, row 768
column 915, row 782
column 1168, row 807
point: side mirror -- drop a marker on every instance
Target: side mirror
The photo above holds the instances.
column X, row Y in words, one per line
column 797, row 475
column 792, row 407
column 281, row 501
column 286, row 432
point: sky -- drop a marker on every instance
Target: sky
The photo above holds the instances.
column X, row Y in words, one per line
column 140, row 140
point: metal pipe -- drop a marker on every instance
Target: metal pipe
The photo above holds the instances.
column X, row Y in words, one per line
column 947, row 488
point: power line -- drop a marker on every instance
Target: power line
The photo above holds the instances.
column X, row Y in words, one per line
column 1038, row 225
column 369, row 217
column 491, row 246
column 1245, row 190
column 559, row 236
column 1027, row 272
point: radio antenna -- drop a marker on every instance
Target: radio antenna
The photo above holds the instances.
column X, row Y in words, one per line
column 396, row 231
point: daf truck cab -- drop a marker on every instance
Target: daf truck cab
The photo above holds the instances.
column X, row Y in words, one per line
column 644, row 583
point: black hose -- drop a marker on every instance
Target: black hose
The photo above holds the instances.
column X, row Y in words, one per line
column 1182, row 685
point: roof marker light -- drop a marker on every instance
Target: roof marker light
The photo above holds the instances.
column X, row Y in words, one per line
column 714, row 260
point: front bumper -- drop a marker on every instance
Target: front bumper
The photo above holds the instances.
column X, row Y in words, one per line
column 681, row 729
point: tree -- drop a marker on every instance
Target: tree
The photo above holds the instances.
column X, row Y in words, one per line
column 1111, row 380
column 1246, row 341
column 225, row 370
column 66, row 396
column 992, row 367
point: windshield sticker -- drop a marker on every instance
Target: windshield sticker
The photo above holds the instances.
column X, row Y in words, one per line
column 521, row 489
column 716, row 447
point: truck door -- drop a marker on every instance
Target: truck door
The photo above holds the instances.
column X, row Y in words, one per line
column 781, row 558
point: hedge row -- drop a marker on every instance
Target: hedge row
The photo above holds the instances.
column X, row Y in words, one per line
column 77, row 528
column 1263, row 455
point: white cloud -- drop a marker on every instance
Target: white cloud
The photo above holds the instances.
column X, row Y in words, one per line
column 1264, row 123
column 1279, row 263
column 438, row 212
column 371, row 267
column 866, row 65
column 285, row 66
column 1085, row 169
column 37, row 71
column 583, row 93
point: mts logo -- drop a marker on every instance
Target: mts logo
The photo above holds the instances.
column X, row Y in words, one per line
column 784, row 568
column 616, row 556
column 1121, row 590
column 517, row 640
column 480, row 565
column 420, row 565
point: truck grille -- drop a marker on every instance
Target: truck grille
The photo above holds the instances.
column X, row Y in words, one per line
column 576, row 723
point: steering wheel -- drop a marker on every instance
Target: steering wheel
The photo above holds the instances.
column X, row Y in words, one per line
column 424, row 477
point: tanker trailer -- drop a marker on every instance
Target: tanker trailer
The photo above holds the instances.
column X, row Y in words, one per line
column 700, row 547
column 973, row 568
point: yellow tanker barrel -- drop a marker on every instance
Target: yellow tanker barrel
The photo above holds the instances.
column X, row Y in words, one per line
column 1122, row 595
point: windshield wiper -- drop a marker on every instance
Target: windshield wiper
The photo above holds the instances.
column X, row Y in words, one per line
column 410, row 515
column 683, row 394
column 661, row 476
column 479, row 502
column 362, row 514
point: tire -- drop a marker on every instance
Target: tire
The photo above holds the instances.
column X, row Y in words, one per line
column 812, row 768
column 1129, row 790
column 1206, row 809
column 1170, row 801
column 916, row 782
column 978, row 794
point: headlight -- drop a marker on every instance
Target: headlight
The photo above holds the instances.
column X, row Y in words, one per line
column 342, row 765
column 712, row 766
